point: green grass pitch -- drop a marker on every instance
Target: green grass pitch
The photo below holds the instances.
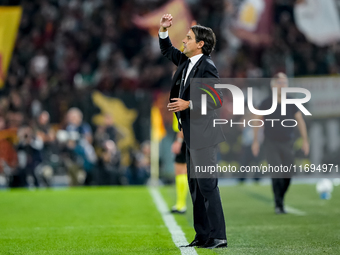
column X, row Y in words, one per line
column 124, row 220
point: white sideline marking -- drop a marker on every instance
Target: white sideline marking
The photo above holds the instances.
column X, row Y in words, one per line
column 176, row 232
column 295, row 211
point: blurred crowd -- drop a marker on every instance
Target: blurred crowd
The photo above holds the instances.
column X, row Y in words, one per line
column 33, row 152
column 66, row 49
column 287, row 50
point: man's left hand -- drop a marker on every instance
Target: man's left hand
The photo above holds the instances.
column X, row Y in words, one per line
column 178, row 106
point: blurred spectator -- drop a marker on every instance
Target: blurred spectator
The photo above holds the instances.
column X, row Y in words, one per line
column 108, row 131
column 39, row 63
column 14, row 119
column 139, row 170
column 47, row 135
column 8, row 154
column 84, row 78
column 29, row 157
column 44, row 130
column 84, row 158
column 75, row 124
column 4, row 104
column 109, row 165
column 78, row 153
column 145, row 156
column 15, row 101
column 135, row 173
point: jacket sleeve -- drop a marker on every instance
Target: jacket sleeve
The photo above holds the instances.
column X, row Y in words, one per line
column 170, row 52
column 212, row 78
column 206, row 85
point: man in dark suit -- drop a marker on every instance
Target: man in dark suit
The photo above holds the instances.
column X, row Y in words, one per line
column 200, row 136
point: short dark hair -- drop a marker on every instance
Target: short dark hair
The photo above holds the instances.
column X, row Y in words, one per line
column 205, row 34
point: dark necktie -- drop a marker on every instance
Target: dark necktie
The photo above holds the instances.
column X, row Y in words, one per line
column 183, row 76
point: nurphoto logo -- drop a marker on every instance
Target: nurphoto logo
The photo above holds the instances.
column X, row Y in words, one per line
column 238, row 104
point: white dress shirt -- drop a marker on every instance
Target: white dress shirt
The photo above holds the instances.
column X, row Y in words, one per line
column 193, row 61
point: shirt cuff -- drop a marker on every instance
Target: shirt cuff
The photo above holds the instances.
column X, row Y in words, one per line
column 163, row 35
column 190, row 105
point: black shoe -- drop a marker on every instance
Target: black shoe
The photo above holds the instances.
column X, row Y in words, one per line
column 280, row 210
column 215, row 243
column 195, row 243
column 175, row 210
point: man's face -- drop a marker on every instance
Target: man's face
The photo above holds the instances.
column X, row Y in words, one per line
column 191, row 48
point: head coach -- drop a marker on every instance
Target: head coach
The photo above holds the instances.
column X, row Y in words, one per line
column 199, row 135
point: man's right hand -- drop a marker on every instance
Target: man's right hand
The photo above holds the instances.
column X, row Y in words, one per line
column 166, row 22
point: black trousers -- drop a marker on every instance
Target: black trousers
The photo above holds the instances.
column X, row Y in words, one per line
column 207, row 206
column 277, row 154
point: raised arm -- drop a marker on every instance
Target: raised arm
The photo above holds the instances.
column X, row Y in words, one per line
column 169, row 51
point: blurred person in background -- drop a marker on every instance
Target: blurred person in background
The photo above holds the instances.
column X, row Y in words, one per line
column 47, row 135
column 4, row 104
column 8, row 154
column 15, row 115
column 144, row 156
column 14, row 119
column 75, row 124
column 279, row 140
column 29, row 157
column 79, row 157
column 108, row 169
column 78, row 154
column 179, row 149
column 107, row 131
column 44, row 130
column 15, row 101
column 138, row 172
column 85, row 78
column 86, row 158
column 67, row 142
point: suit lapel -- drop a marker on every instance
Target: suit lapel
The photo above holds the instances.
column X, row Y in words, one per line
column 177, row 75
column 176, row 81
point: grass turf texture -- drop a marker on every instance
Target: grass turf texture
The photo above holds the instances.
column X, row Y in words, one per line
column 124, row 220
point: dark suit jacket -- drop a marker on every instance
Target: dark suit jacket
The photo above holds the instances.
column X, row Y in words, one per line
column 197, row 128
